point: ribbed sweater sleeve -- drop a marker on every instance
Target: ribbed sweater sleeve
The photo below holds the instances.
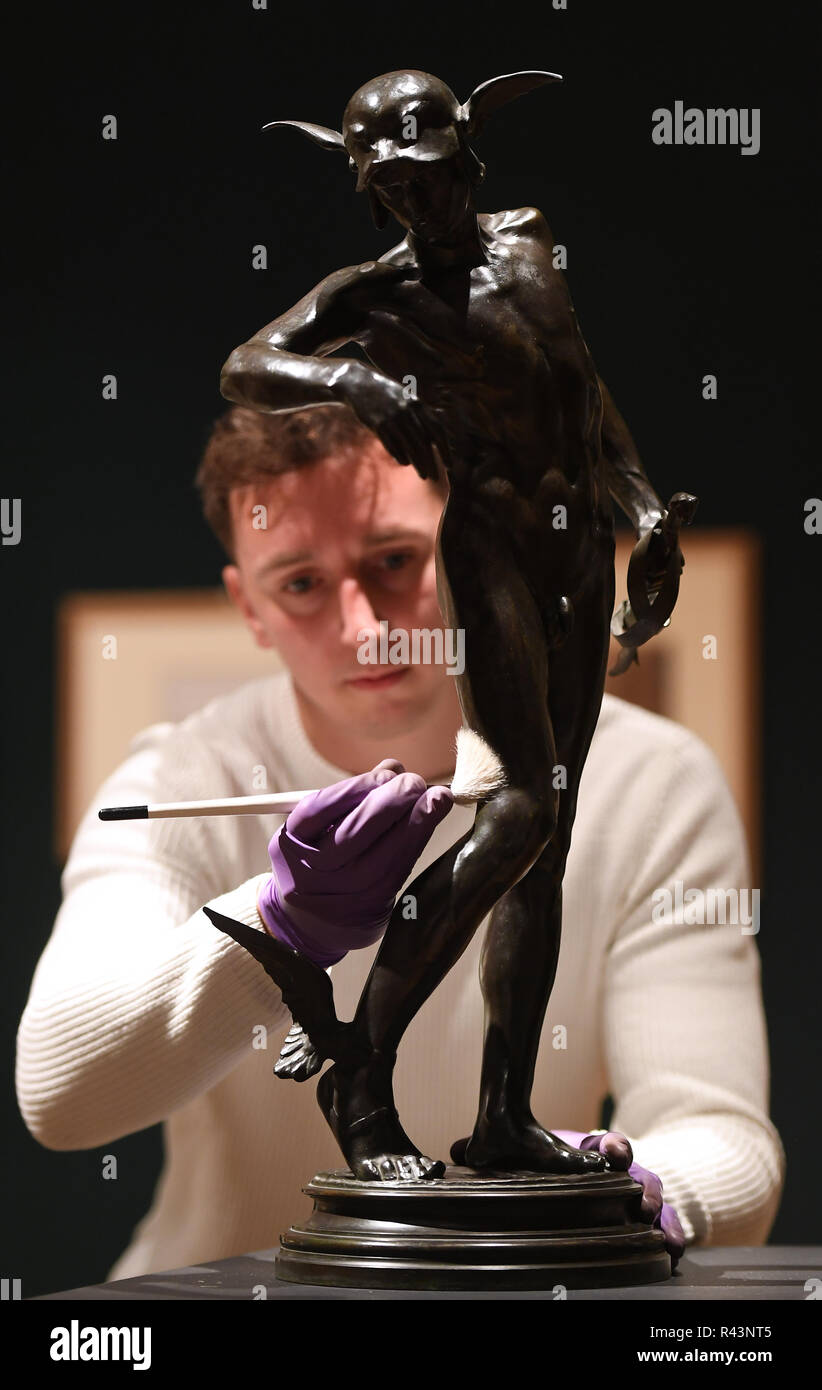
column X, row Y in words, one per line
column 139, row 1003
column 684, row 1024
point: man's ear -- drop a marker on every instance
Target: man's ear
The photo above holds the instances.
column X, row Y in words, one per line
column 232, row 579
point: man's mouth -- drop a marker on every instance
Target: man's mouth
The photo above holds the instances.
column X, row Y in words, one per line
column 380, row 682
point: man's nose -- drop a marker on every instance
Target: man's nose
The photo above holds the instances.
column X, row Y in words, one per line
column 356, row 613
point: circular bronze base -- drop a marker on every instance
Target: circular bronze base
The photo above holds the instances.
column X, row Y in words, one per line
column 474, row 1231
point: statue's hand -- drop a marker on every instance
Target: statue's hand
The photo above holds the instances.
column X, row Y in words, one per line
column 409, row 430
column 617, row 1149
column 663, row 543
column 343, row 855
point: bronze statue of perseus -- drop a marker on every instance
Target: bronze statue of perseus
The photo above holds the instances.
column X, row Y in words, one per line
column 471, row 308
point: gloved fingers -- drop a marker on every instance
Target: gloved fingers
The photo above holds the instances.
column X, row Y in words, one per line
column 614, row 1146
column 293, row 864
column 403, row 825
column 366, row 823
column 371, row 882
column 669, row 1224
column 402, row 845
column 651, row 1191
column 316, row 812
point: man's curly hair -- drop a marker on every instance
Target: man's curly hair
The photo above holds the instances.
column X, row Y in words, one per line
column 246, row 446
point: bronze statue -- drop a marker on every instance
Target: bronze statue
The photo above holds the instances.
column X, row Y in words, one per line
column 475, row 364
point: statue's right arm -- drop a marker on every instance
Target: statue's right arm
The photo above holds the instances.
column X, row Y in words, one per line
column 281, row 367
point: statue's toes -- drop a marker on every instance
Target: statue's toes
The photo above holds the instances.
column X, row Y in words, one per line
column 431, row 1167
column 409, row 1168
column 398, row 1168
column 599, row 1164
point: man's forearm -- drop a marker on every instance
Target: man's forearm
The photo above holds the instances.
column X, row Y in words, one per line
column 724, row 1175
column 129, row 1018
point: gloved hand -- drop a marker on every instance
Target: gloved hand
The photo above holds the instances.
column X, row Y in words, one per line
column 342, row 856
column 617, row 1149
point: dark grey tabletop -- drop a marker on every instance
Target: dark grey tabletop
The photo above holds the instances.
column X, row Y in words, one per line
column 754, row 1273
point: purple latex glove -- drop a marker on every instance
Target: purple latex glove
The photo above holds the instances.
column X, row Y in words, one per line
column 617, row 1149
column 342, row 856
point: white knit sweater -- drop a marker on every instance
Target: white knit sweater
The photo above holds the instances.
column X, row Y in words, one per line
column 140, row 1010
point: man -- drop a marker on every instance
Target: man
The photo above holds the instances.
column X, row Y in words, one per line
column 141, row 1011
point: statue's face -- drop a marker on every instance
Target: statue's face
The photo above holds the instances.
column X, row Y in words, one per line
column 401, row 133
column 428, row 197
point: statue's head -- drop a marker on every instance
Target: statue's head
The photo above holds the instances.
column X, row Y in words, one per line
column 407, row 143
column 407, row 139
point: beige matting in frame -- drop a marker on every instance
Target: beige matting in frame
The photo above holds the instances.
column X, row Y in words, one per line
column 175, row 650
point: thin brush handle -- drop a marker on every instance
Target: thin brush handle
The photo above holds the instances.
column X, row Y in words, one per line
column 275, row 803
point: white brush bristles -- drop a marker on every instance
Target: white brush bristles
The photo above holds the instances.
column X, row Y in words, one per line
column 478, row 771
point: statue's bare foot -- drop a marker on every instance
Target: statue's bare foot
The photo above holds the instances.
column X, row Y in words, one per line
column 299, row 1058
column 367, row 1129
column 505, row 1147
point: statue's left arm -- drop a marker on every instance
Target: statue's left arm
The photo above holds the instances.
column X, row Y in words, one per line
column 626, row 479
column 624, row 475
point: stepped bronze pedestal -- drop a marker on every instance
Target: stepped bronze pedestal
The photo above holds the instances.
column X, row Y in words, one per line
column 474, row 1231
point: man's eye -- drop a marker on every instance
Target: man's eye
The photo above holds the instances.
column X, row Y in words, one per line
column 402, row 556
column 300, row 580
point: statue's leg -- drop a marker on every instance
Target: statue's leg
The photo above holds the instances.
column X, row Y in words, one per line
column 506, row 660
column 521, row 948
column 517, row 971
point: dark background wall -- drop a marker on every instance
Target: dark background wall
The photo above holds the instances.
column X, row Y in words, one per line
column 134, row 257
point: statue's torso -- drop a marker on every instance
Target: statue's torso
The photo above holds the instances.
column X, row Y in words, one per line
column 497, row 351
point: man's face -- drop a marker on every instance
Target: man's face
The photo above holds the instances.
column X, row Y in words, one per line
column 348, row 542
